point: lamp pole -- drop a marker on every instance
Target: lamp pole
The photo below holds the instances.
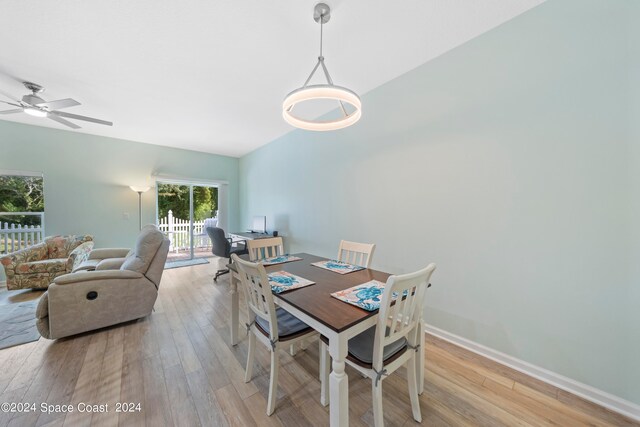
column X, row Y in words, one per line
column 139, row 209
column 139, row 190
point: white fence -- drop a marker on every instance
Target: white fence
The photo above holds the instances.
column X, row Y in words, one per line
column 14, row 237
column 178, row 231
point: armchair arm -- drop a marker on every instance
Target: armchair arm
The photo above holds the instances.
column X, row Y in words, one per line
column 103, row 253
column 84, row 276
column 92, row 304
column 32, row 253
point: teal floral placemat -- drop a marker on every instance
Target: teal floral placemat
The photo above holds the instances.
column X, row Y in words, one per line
column 281, row 281
column 366, row 296
column 337, row 266
column 280, row 259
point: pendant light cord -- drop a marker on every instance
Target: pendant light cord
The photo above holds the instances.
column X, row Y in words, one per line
column 324, row 69
column 320, row 61
column 321, row 25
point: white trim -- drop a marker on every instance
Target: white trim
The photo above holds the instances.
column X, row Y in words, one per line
column 592, row 394
column 11, row 172
column 174, row 179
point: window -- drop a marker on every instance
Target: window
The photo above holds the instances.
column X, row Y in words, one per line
column 21, row 210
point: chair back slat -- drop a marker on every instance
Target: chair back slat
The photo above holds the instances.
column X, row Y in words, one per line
column 400, row 319
column 257, row 291
column 265, row 248
column 356, row 253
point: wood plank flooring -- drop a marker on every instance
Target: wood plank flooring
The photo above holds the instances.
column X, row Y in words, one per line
column 179, row 365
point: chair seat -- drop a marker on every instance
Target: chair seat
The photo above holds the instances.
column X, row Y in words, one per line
column 87, row 265
column 289, row 326
column 361, row 348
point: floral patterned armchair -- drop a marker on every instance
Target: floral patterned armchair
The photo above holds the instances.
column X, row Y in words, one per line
column 35, row 267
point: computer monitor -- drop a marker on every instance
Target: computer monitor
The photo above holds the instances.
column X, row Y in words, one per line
column 259, row 224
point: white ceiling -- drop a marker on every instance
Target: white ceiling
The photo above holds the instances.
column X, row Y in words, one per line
column 211, row 75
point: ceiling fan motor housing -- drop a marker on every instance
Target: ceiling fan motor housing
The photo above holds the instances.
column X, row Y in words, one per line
column 33, row 87
column 32, row 99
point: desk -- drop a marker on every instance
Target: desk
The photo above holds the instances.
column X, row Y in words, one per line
column 336, row 320
column 249, row 236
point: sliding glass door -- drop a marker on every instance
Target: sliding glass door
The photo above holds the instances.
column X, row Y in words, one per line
column 205, row 214
column 184, row 211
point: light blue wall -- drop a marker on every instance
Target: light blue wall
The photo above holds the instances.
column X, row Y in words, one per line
column 86, row 178
column 507, row 162
column 634, row 156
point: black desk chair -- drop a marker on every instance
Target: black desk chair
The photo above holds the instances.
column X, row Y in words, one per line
column 221, row 246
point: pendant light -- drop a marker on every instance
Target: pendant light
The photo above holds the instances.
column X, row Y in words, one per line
column 322, row 14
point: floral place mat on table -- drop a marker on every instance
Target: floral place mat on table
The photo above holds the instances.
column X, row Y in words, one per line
column 366, row 296
column 337, row 266
column 280, row 259
column 281, row 281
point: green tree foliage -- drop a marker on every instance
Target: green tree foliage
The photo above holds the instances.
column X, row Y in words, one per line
column 204, row 203
column 176, row 198
column 21, row 194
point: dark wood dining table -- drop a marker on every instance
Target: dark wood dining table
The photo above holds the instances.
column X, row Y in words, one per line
column 335, row 319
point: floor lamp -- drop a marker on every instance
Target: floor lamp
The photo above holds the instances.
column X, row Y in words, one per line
column 139, row 190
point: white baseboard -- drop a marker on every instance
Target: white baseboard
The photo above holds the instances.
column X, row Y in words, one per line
column 592, row 394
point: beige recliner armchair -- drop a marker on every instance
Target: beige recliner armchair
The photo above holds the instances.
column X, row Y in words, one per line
column 88, row 300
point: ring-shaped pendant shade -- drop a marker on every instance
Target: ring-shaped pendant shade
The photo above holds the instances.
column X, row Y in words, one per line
column 315, row 92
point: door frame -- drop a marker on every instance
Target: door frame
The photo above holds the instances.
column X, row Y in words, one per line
column 222, row 206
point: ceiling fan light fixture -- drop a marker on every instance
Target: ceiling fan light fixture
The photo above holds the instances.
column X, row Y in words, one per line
column 35, row 112
column 322, row 14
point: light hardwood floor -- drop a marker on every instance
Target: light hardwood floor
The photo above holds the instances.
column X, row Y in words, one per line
column 178, row 364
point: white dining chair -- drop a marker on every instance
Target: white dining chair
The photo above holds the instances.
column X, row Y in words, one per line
column 275, row 327
column 356, row 253
column 265, row 248
column 377, row 352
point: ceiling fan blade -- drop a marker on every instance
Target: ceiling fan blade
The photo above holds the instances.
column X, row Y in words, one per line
column 11, row 103
column 7, row 95
column 63, row 121
column 85, row 118
column 60, row 103
column 19, row 110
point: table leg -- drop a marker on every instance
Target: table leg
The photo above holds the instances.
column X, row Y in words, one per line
column 420, row 357
column 338, row 383
column 235, row 308
column 325, row 369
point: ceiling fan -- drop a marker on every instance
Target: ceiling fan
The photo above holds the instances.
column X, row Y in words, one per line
column 35, row 106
